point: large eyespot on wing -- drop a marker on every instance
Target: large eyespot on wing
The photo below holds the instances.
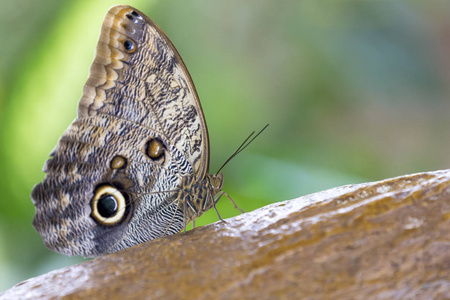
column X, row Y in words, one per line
column 138, row 75
column 108, row 205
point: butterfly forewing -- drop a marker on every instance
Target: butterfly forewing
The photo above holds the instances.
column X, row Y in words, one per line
column 149, row 85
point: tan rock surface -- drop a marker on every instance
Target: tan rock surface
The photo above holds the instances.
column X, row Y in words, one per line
column 382, row 240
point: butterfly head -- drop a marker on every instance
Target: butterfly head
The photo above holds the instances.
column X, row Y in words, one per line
column 215, row 182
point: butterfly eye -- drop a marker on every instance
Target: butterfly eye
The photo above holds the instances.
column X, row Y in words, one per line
column 155, row 149
column 118, row 162
column 130, row 47
column 108, row 205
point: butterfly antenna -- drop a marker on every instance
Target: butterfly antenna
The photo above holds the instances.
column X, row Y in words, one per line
column 243, row 146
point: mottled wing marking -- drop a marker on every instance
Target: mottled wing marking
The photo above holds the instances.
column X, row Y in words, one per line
column 151, row 86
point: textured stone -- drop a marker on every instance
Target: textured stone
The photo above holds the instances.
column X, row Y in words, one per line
column 382, row 240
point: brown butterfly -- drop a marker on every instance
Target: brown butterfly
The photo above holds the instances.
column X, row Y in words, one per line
column 133, row 166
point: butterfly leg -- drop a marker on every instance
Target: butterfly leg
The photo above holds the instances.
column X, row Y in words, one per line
column 231, row 200
column 184, row 218
column 214, row 205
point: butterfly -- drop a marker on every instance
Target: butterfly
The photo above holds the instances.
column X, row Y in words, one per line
column 133, row 166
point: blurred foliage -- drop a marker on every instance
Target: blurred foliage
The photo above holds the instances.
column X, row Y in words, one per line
column 353, row 91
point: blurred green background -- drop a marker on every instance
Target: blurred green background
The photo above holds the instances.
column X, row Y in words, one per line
column 353, row 91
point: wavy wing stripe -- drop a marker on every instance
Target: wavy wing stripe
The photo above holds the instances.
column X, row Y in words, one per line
column 167, row 219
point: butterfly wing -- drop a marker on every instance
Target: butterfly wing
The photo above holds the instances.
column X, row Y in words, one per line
column 139, row 94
